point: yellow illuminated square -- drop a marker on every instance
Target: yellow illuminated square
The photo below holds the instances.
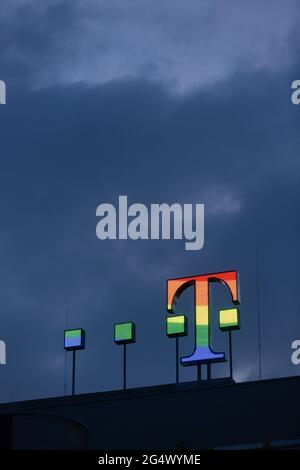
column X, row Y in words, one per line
column 229, row 319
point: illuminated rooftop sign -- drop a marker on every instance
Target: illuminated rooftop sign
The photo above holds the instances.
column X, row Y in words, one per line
column 228, row 319
column 74, row 339
column 176, row 326
column 124, row 333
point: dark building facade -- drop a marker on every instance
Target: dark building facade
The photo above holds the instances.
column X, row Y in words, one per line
column 194, row 415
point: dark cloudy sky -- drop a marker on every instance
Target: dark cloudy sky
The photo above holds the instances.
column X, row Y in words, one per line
column 164, row 101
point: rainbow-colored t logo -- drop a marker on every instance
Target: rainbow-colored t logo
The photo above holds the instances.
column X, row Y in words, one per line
column 228, row 319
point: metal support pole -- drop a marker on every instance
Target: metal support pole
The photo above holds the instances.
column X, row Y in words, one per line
column 258, row 315
column 124, row 366
column 199, row 372
column 73, row 371
column 230, row 354
column 177, row 360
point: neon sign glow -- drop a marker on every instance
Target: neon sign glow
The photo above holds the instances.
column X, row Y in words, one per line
column 228, row 319
column 176, row 326
column 124, row 333
column 74, row 339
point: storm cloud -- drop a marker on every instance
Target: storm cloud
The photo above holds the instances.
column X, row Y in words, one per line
column 163, row 103
column 184, row 46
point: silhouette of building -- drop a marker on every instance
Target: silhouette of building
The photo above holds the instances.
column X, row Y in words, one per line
column 210, row 414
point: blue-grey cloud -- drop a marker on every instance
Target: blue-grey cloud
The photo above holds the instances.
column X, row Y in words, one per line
column 185, row 46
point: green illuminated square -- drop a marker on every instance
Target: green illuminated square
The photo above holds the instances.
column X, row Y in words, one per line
column 229, row 319
column 124, row 333
column 176, row 326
